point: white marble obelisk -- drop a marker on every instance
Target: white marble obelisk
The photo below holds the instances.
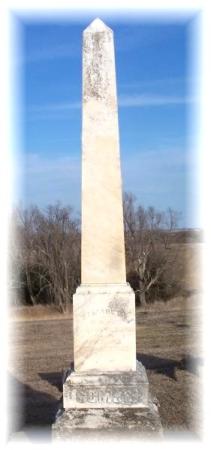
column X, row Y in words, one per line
column 107, row 390
column 104, row 304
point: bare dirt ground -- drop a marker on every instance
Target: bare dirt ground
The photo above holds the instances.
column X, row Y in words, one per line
column 168, row 344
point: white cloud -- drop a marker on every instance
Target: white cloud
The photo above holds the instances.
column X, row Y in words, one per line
column 61, row 110
column 45, row 180
column 154, row 164
column 58, row 110
column 60, row 165
column 55, row 107
column 154, row 83
column 157, row 177
column 153, row 100
column 51, row 53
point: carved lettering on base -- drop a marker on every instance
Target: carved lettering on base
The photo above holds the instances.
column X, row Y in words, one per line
column 118, row 396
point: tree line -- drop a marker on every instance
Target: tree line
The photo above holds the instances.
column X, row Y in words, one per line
column 45, row 254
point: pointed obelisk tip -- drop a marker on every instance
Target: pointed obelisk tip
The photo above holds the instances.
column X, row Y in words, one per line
column 96, row 26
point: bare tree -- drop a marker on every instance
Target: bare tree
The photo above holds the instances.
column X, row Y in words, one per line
column 48, row 254
column 45, row 253
column 149, row 252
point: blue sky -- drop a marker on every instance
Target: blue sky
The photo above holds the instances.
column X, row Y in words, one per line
column 154, row 99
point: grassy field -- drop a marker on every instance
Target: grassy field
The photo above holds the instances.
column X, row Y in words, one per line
column 168, row 344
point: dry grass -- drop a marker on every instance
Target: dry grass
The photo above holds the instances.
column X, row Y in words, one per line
column 37, row 312
column 168, row 344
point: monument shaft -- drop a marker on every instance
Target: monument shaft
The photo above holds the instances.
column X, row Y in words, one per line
column 103, row 253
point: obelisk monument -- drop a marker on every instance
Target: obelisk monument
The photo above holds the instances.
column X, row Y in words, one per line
column 104, row 305
column 106, row 376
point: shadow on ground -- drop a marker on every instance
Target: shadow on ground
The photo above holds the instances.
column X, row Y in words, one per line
column 54, row 378
column 30, row 410
column 168, row 366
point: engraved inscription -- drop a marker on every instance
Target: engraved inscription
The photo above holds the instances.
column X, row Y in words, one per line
column 118, row 311
column 112, row 395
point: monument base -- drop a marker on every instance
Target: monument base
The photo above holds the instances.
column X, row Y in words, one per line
column 107, row 404
column 108, row 423
column 106, row 390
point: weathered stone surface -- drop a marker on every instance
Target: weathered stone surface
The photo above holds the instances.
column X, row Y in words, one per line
column 108, row 423
column 103, row 252
column 106, row 390
column 104, row 328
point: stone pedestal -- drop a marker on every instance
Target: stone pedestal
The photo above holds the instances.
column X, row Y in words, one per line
column 110, row 424
column 104, row 328
column 107, row 390
column 103, row 405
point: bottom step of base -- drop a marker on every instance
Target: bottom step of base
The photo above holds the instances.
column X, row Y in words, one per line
column 105, row 423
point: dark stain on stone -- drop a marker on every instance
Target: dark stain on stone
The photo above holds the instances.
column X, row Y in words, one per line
column 116, row 307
